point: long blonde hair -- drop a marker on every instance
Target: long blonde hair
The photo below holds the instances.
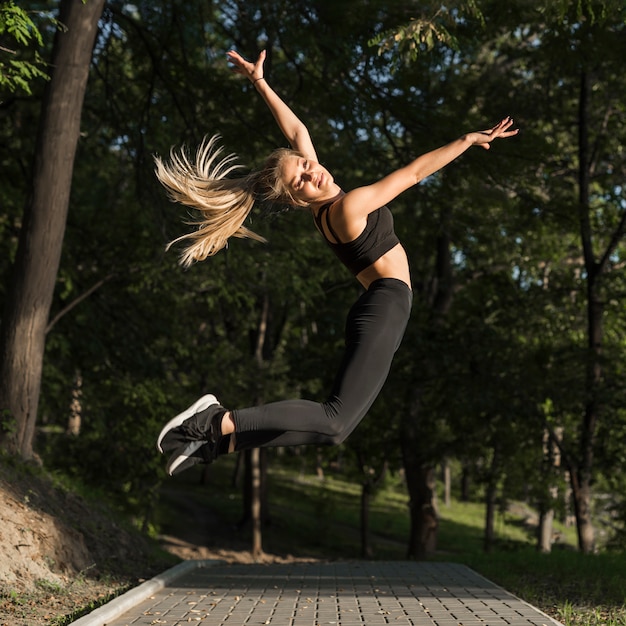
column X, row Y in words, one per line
column 223, row 203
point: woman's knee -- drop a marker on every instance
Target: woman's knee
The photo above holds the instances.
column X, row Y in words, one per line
column 339, row 432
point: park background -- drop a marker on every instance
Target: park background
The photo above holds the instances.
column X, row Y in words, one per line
column 508, row 390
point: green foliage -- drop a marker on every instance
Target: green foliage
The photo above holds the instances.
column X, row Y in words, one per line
column 594, row 11
column 421, row 35
column 7, row 422
column 16, row 26
column 16, row 23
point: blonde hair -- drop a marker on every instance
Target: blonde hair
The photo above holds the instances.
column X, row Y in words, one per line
column 223, row 203
column 269, row 180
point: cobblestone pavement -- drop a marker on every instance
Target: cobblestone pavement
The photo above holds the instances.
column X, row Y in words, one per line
column 354, row 593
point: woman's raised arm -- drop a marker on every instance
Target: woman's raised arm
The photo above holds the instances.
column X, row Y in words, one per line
column 291, row 126
column 363, row 200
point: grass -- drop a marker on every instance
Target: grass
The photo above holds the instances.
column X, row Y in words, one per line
column 313, row 517
column 67, row 620
column 574, row 588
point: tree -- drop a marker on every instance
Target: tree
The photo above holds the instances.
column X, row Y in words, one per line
column 579, row 64
column 22, row 338
column 562, row 64
column 599, row 248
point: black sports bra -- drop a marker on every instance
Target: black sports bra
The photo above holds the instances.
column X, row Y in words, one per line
column 377, row 238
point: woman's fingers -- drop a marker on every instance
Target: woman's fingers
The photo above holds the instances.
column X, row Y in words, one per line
column 242, row 66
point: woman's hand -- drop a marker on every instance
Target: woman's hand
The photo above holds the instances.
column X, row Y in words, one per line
column 484, row 137
column 252, row 71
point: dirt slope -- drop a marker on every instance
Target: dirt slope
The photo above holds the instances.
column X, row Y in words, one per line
column 58, row 554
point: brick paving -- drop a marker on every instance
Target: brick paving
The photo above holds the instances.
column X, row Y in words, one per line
column 354, row 593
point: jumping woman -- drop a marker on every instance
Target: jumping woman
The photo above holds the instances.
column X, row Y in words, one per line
column 358, row 227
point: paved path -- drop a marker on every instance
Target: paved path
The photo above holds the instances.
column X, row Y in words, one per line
column 359, row 593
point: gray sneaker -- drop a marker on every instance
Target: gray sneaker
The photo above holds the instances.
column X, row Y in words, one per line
column 198, row 439
column 190, row 454
column 184, row 434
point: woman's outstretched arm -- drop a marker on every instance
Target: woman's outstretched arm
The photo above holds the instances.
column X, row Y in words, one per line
column 363, row 200
column 291, row 126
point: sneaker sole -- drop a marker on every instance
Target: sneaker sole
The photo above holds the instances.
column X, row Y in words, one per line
column 181, row 461
column 199, row 405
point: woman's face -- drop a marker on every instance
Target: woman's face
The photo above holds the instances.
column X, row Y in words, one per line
column 308, row 181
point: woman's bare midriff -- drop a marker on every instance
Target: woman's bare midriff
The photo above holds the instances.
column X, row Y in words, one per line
column 393, row 264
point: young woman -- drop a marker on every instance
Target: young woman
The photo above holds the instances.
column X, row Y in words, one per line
column 358, row 227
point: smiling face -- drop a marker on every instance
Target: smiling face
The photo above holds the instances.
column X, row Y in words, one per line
column 308, row 182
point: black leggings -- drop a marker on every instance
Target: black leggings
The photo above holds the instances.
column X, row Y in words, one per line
column 374, row 330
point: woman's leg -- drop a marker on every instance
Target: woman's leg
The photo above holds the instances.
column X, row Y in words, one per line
column 374, row 330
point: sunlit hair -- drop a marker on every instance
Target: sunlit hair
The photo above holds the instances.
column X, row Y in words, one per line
column 270, row 184
column 223, row 201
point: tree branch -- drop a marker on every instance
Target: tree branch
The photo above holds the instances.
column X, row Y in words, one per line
column 77, row 301
column 615, row 239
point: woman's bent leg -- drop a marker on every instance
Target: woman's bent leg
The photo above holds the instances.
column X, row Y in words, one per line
column 374, row 330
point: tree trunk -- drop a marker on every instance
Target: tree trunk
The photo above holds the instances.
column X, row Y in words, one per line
column 490, row 513
column 254, row 491
column 447, row 482
column 257, row 503
column 22, row 336
column 366, row 496
column 369, row 486
column 581, row 496
column 491, row 500
column 581, row 475
column 74, row 421
column 424, row 516
column 420, row 471
column 420, row 480
column 552, row 465
column 546, row 525
column 255, row 475
column 465, row 482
